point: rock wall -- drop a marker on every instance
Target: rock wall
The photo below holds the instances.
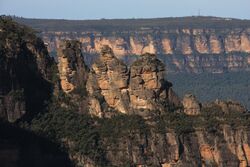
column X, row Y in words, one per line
column 226, row 147
column 165, row 41
column 188, row 44
column 177, row 46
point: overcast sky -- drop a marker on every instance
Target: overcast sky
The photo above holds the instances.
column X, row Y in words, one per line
column 96, row 9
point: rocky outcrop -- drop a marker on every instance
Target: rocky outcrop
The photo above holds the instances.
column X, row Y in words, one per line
column 143, row 86
column 109, row 79
column 228, row 106
column 26, row 71
column 72, row 69
column 191, row 105
column 148, row 87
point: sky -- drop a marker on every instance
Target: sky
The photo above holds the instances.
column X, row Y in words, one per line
column 108, row 9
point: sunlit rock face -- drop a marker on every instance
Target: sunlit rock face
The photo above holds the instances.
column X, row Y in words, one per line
column 142, row 86
column 111, row 76
column 182, row 41
column 72, row 69
column 147, row 83
column 191, row 50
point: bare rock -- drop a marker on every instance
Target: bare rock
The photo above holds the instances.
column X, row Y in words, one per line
column 72, row 69
column 147, row 86
column 143, row 87
column 191, row 105
column 110, row 80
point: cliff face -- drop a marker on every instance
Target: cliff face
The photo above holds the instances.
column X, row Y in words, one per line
column 185, row 50
column 25, row 72
column 229, row 147
column 167, row 41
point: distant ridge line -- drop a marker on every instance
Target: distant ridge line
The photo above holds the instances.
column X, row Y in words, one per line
column 133, row 24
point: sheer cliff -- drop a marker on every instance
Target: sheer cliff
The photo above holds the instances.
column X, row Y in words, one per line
column 26, row 71
column 26, row 77
column 191, row 44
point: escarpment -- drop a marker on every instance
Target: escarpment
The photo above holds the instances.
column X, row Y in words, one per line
column 26, row 72
column 189, row 44
column 181, row 41
column 185, row 50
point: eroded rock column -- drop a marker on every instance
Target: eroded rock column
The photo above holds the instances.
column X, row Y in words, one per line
column 111, row 77
column 72, row 70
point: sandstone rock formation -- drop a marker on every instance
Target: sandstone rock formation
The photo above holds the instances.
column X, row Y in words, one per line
column 110, row 79
column 143, row 86
column 148, row 87
column 191, row 105
column 186, row 50
column 173, row 41
column 201, row 44
column 72, row 69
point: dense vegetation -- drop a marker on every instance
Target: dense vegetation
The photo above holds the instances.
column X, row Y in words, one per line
column 209, row 87
column 133, row 24
column 14, row 31
column 87, row 136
